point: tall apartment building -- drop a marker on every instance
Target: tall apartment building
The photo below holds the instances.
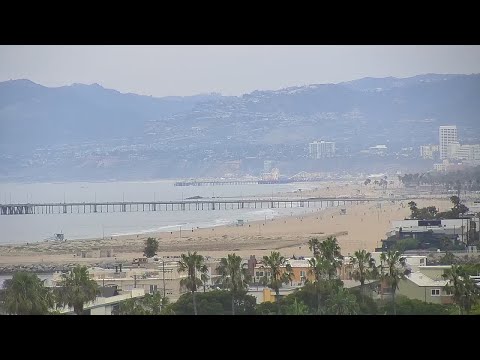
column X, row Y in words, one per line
column 447, row 135
column 321, row 149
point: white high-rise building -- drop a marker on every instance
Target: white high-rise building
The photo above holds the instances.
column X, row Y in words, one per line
column 447, row 135
column 321, row 149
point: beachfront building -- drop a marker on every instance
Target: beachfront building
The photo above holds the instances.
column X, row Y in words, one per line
column 156, row 276
column 432, row 231
column 321, row 149
column 426, row 284
column 447, row 135
column 265, row 294
column 302, row 271
column 107, row 303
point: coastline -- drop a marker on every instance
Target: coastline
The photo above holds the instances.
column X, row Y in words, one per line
column 363, row 226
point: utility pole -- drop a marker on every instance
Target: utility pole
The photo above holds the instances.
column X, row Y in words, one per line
column 163, row 271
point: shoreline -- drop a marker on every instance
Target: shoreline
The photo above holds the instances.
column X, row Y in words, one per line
column 362, row 227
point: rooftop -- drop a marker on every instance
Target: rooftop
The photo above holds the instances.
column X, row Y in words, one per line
column 422, row 280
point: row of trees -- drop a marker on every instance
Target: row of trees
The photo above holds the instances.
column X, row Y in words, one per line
column 468, row 179
column 382, row 182
column 323, row 268
column 330, row 296
column 26, row 294
column 431, row 212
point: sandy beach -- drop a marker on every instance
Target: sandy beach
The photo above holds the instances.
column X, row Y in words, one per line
column 362, row 227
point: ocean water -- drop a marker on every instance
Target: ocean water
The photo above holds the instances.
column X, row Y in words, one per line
column 39, row 227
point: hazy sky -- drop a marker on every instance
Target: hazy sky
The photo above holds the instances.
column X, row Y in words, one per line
column 161, row 70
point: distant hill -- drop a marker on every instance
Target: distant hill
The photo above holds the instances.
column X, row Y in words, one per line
column 34, row 114
column 199, row 132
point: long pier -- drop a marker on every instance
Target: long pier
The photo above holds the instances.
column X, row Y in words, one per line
column 201, row 204
column 232, row 182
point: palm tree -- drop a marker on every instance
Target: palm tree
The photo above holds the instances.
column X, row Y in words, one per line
column 364, row 268
column 330, row 250
column 204, row 276
column 25, row 294
column 461, row 286
column 275, row 262
column 395, row 265
column 313, row 245
column 233, row 275
column 318, row 267
column 193, row 264
column 76, row 289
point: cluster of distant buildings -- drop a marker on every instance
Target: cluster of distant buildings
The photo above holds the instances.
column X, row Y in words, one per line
column 450, row 152
column 327, row 149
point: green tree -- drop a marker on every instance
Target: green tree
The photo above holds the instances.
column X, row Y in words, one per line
column 297, row 308
column 330, row 251
column 233, row 275
column 193, row 264
column 367, row 305
column 204, row 277
column 458, row 208
column 151, row 247
column 342, row 302
column 363, row 268
column 131, row 307
column 278, row 276
column 76, row 289
column 153, row 303
column 267, row 308
column 464, row 290
column 414, row 209
column 394, row 264
column 406, row 306
column 25, row 294
column 447, row 259
column 319, row 267
column 407, row 243
column 216, row 302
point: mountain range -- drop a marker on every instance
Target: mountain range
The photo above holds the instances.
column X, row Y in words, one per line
column 398, row 112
